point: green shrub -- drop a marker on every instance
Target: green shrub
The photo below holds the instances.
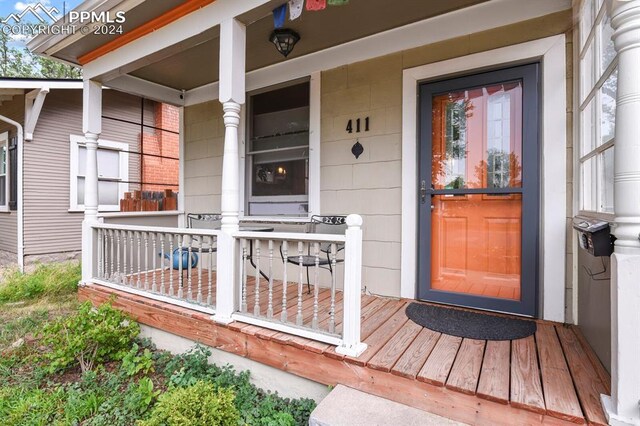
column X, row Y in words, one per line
column 51, row 280
column 90, row 336
column 197, row 405
column 135, row 362
column 30, row 406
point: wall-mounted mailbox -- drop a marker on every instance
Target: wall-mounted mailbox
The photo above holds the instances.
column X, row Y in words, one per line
column 595, row 235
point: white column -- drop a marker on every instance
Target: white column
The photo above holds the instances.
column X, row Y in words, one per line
column 622, row 407
column 92, row 127
column 232, row 96
column 352, row 293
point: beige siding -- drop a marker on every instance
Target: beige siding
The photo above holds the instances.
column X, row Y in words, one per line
column 204, row 139
column 370, row 185
column 49, row 226
column 14, row 110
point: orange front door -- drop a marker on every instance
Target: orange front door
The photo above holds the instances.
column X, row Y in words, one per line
column 479, row 192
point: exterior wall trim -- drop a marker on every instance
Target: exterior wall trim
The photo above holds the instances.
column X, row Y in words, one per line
column 551, row 52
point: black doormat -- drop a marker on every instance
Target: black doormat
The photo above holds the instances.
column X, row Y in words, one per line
column 467, row 324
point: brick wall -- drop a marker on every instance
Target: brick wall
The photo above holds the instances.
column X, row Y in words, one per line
column 161, row 173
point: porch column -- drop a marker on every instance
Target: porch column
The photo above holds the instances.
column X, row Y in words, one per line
column 91, row 127
column 232, row 96
column 622, row 407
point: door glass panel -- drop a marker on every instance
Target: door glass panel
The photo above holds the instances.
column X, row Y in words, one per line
column 476, row 238
column 476, row 244
column 477, row 138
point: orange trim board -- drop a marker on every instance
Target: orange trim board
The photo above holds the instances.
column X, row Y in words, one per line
column 148, row 27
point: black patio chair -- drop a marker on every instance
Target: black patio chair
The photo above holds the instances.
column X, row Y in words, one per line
column 319, row 225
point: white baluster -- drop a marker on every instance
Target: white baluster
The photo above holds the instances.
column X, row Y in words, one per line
column 285, row 254
column 209, row 278
column 316, row 283
column 118, row 270
column 256, row 306
column 270, row 301
column 162, row 280
column 154, row 286
column 100, row 253
column 138, row 239
column 171, row 289
column 189, row 291
column 111, row 238
column 131, row 258
column 300, row 275
column 125, row 239
column 332, row 310
column 243, row 306
column 199, row 295
column 180, row 266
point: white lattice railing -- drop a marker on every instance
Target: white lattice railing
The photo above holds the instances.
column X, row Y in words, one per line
column 170, row 264
column 258, row 278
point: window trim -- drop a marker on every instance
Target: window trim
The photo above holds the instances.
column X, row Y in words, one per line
column 4, row 140
column 75, row 142
column 592, row 96
column 314, row 152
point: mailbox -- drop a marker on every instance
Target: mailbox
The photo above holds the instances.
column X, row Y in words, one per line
column 595, row 235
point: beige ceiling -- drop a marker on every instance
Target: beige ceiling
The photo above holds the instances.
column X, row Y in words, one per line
column 198, row 65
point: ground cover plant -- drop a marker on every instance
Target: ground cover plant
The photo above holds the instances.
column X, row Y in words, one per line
column 65, row 363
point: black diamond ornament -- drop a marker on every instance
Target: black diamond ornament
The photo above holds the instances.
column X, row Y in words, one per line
column 357, row 149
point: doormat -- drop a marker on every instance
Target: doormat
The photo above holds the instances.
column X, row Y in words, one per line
column 470, row 325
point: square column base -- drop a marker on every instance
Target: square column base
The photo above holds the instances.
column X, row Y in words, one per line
column 612, row 417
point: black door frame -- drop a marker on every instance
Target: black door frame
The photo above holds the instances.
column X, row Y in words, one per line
column 530, row 190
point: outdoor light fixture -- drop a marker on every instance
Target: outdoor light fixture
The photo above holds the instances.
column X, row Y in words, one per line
column 284, row 40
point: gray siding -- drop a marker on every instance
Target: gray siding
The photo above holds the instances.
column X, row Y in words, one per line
column 14, row 110
column 49, row 226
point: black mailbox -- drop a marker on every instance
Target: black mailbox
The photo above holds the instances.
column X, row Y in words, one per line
column 595, row 235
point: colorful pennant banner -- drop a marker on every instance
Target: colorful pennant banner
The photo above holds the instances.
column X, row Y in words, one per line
column 295, row 9
column 279, row 16
column 315, row 5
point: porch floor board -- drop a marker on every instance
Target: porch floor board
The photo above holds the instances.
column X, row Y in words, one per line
column 552, row 377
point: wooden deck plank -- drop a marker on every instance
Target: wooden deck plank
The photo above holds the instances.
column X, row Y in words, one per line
column 381, row 336
column 379, row 317
column 603, row 374
column 526, row 388
column 391, row 352
column 494, row 375
column 414, row 357
column 437, row 367
column 559, row 395
column 465, row 371
column 585, row 377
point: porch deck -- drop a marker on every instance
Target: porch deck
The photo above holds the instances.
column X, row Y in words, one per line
column 552, row 377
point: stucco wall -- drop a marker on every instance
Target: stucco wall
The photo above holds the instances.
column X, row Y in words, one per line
column 370, row 185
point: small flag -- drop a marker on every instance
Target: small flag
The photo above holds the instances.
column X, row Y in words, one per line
column 295, row 9
column 337, row 2
column 316, row 4
column 279, row 15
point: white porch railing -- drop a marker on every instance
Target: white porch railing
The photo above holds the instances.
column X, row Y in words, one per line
column 178, row 266
column 168, row 264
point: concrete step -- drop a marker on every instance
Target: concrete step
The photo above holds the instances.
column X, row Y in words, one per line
column 345, row 406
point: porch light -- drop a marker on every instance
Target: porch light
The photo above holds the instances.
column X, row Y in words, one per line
column 284, row 39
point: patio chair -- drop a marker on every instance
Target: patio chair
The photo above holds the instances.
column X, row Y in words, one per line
column 195, row 221
column 320, row 225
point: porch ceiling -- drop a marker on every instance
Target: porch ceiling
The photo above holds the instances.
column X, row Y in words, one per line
column 197, row 65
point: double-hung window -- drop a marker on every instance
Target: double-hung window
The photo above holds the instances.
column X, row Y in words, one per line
column 4, row 172
column 597, row 103
column 113, row 173
column 278, row 151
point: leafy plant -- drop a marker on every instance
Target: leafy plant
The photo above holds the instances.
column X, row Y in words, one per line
column 90, row 336
column 123, row 407
column 197, row 405
column 135, row 361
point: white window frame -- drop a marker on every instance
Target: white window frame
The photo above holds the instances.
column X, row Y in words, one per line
column 314, row 155
column 590, row 35
column 75, row 142
column 4, row 140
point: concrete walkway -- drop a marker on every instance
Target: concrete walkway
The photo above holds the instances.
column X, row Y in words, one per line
column 349, row 407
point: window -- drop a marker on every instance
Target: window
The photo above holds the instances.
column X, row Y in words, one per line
column 4, row 172
column 598, row 82
column 278, row 151
column 113, row 173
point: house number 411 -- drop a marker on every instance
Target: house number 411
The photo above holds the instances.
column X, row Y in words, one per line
column 350, row 128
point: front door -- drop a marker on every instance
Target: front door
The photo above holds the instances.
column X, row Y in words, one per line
column 478, row 218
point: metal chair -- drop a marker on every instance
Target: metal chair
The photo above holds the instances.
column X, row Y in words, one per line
column 320, row 225
column 196, row 221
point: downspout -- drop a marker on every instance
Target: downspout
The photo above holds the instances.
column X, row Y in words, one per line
column 18, row 126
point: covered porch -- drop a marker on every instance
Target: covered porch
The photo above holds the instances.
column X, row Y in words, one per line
column 214, row 58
